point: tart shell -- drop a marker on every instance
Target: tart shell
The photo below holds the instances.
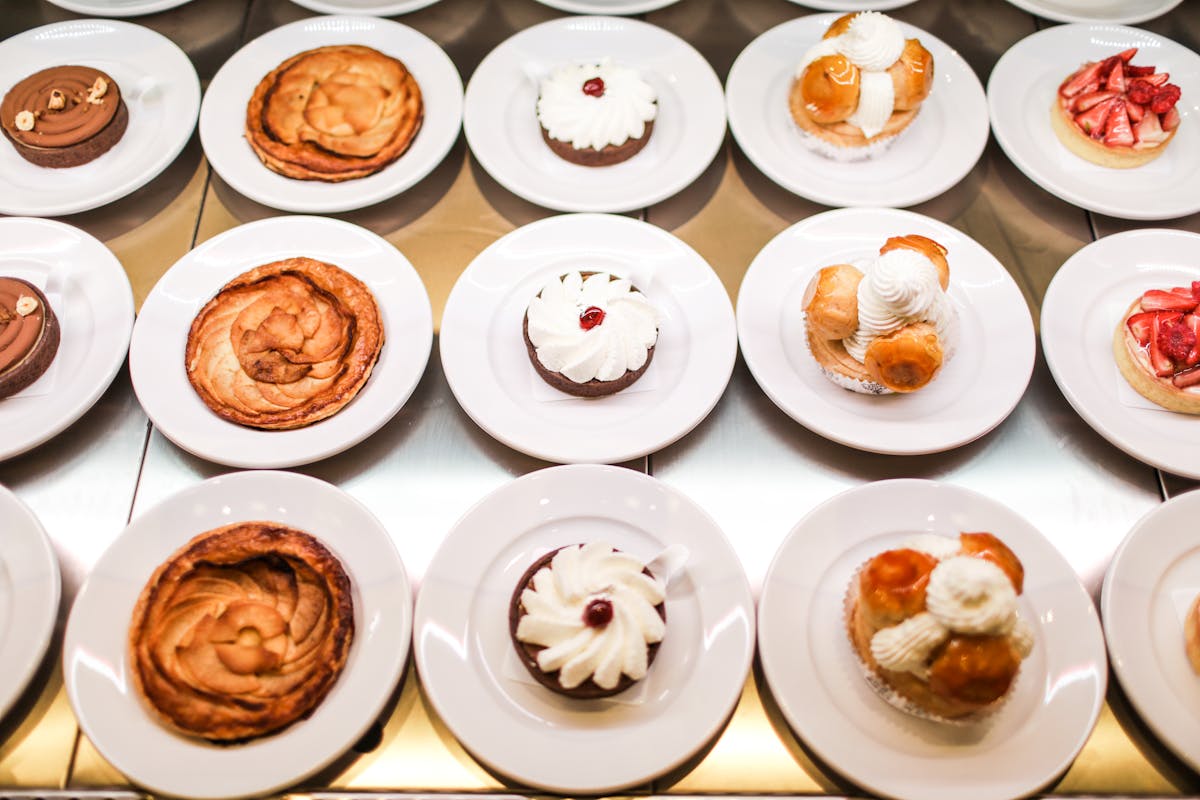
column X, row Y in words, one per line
column 1134, row 365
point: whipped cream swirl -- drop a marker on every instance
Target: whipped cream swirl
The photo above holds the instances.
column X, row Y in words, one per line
column 931, row 544
column 972, row 596
column 901, row 287
column 556, row 605
column 906, row 647
column 619, row 343
column 873, row 43
column 618, row 113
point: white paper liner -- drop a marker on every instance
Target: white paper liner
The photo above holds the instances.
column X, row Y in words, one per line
column 845, row 381
column 846, row 154
column 665, row 566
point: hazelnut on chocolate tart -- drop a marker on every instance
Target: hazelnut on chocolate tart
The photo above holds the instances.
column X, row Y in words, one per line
column 29, row 335
column 590, row 334
column 596, row 114
column 334, row 113
column 64, row 116
column 242, row 631
column 587, row 620
column 284, row 345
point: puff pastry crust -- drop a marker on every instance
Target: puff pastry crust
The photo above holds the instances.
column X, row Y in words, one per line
column 285, row 344
column 242, row 631
column 334, row 113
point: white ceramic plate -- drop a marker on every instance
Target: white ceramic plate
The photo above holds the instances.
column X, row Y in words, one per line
column 158, row 84
column 937, row 151
column 976, row 389
column 223, row 115
column 607, row 6
column 376, row 8
column 815, row 676
column 1023, row 86
column 1149, row 587
column 96, row 669
column 117, row 8
column 1084, row 303
column 853, row 5
column 503, row 132
column 531, row 734
column 487, row 364
column 160, row 337
column 29, row 592
column 91, row 297
column 1126, row 12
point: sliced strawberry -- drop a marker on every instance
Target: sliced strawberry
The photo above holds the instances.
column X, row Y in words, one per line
column 1183, row 291
column 1135, row 111
column 1170, row 120
column 1116, row 77
column 1196, row 291
column 1157, row 79
column 1158, row 300
column 1141, row 326
column 1087, row 74
column 1117, row 131
column 1160, row 363
column 1193, row 357
column 1092, row 121
column 1141, row 91
column 1137, row 72
column 1149, row 130
column 1085, row 101
column 1127, row 55
column 1187, row 378
column 1175, row 340
column 1165, row 99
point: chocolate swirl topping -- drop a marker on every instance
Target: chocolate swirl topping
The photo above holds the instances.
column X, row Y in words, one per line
column 89, row 100
column 18, row 332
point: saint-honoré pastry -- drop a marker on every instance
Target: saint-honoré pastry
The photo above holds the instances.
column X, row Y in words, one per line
column 29, row 335
column 285, row 344
column 1115, row 113
column 242, row 631
column 1191, row 634
column 590, row 334
column 935, row 624
column 64, row 116
column 587, row 620
column 334, row 113
column 596, row 114
column 888, row 329
column 860, row 87
column 1155, row 346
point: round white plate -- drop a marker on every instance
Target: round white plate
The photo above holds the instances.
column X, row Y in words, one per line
column 223, row 115
column 502, row 127
column 1084, row 303
column 607, row 6
column 1149, row 587
column 531, row 734
column 976, row 389
column 95, row 663
column 160, row 337
column 815, row 675
column 1126, row 12
column 90, row 295
column 487, row 364
column 853, row 5
column 117, row 8
column 376, row 8
column 1024, row 84
column 29, row 592
column 158, row 84
column 937, row 151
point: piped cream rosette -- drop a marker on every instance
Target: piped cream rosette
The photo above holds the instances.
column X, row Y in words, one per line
column 888, row 329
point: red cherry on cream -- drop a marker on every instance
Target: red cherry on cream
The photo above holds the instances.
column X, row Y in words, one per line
column 598, row 613
column 591, row 317
column 594, row 87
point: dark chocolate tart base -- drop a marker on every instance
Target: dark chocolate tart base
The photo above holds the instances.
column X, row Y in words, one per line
column 605, row 156
column 588, row 690
column 77, row 154
column 592, row 388
column 23, row 373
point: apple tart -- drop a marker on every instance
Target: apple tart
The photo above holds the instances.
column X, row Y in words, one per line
column 242, row 631
column 285, row 344
column 334, row 113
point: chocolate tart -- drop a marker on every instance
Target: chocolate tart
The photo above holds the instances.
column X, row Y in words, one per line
column 605, row 156
column 29, row 341
column 64, row 116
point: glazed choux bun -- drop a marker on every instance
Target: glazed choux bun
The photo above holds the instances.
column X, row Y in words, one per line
column 926, row 247
column 988, row 547
column 974, row 671
column 912, row 76
column 840, row 25
column 892, row 586
column 830, row 87
column 905, row 360
column 831, row 302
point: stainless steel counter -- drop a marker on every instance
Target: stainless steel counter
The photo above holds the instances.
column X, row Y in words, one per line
column 749, row 465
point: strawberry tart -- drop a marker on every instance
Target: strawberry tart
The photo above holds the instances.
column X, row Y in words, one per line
column 1156, row 347
column 1115, row 113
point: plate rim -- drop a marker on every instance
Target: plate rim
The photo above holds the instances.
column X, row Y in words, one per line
column 137, row 10
column 625, row 7
column 1126, row 19
column 387, row 9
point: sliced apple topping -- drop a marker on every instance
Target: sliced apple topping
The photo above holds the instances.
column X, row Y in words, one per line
column 1122, row 104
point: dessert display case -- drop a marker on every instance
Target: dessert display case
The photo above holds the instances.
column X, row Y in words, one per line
column 748, row 465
